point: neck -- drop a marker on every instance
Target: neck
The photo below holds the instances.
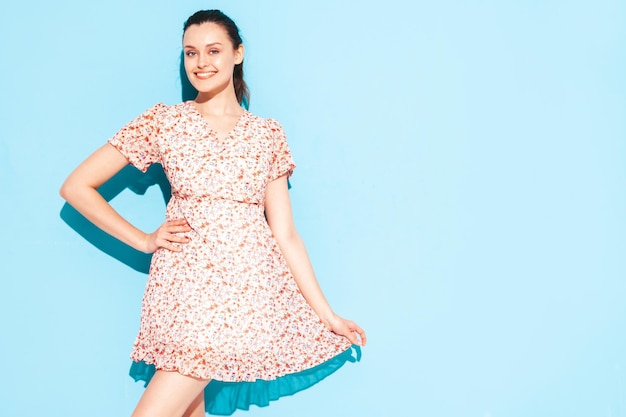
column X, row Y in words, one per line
column 224, row 102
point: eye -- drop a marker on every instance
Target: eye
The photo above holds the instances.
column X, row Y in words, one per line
column 214, row 51
column 190, row 53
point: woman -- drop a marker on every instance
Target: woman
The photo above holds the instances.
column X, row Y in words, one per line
column 231, row 293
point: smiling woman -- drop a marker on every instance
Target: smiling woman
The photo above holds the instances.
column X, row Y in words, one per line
column 231, row 295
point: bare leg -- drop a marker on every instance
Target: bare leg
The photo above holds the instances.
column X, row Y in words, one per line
column 196, row 409
column 170, row 394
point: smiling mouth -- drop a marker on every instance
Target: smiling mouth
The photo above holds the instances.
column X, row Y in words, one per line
column 205, row 75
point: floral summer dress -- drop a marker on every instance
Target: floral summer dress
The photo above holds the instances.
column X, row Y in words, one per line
column 226, row 307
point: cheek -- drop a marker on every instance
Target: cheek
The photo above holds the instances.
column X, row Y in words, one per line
column 188, row 64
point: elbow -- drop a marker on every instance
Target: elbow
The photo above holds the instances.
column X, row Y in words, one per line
column 65, row 191
column 68, row 190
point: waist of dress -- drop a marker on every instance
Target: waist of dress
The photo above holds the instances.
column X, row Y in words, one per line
column 209, row 199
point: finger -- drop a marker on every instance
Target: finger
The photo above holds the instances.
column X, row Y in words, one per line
column 164, row 236
column 362, row 336
column 170, row 246
column 176, row 222
column 175, row 227
column 352, row 338
column 178, row 229
column 178, row 239
column 172, row 228
column 357, row 330
column 168, row 240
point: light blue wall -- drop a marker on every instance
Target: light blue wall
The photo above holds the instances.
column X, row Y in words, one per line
column 460, row 188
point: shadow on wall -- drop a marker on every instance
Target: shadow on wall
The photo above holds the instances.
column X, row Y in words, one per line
column 133, row 179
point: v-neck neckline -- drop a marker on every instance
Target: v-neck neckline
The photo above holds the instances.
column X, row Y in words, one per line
column 219, row 138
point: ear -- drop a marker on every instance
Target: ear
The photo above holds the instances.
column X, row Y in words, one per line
column 239, row 52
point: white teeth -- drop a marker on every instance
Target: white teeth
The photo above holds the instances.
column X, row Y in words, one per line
column 205, row 74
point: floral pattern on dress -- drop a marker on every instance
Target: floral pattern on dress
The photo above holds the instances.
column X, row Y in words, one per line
column 226, row 307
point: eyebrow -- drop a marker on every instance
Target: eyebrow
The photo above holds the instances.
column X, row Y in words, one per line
column 207, row 45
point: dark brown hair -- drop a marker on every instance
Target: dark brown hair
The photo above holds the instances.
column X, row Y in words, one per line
column 217, row 17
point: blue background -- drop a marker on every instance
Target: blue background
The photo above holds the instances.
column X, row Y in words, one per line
column 460, row 188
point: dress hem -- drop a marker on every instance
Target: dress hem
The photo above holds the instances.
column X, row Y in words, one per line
column 224, row 398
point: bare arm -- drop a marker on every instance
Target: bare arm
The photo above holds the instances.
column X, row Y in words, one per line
column 280, row 220
column 80, row 189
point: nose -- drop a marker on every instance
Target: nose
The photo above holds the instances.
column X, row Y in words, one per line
column 203, row 60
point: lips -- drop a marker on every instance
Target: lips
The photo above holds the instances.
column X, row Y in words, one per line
column 205, row 75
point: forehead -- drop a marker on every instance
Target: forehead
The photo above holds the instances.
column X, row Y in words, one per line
column 204, row 34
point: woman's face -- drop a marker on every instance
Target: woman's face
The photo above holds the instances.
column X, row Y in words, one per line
column 209, row 58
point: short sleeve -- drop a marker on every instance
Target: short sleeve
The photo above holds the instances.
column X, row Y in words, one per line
column 282, row 161
column 137, row 141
